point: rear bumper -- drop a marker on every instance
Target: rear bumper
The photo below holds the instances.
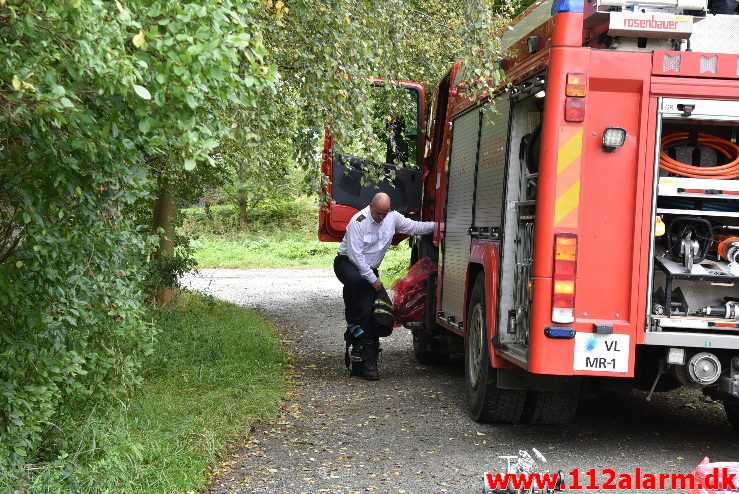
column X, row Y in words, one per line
column 692, row 340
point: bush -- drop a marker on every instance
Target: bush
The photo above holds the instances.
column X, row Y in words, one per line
column 93, row 96
column 276, row 211
column 215, row 220
column 73, row 331
column 270, row 214
column 167, row 271
column 215, row 369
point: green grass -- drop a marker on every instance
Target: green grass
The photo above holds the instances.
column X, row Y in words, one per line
column 263, row 250
column 290, row 249
column 288, row 241
column 217, row 368
column 282, row 234
column 395, row 264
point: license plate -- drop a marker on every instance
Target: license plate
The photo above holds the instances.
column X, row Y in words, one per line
column 601, row 352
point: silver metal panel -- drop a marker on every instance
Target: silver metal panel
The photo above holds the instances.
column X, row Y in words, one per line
column 724, row 110
column 653, row 216
column 491, row 169
column 459, row 213
column 694, row 340
column 694, row 212
column 704, row 36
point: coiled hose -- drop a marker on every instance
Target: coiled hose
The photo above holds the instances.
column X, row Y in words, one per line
column 725, row 147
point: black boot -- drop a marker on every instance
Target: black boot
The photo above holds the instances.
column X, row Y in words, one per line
column 371, row 352
column 353, row 359
column 356, row 361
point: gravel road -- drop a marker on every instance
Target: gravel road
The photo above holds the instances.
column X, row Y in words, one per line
column 409, row 432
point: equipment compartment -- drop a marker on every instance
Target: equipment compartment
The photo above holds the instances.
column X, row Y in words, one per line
column 695, row 248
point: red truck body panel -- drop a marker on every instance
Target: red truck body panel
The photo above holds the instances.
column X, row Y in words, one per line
column 603, row 197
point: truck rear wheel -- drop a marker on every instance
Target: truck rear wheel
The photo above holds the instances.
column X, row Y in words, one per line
column 550, row 407
column 732, row 412
column 487, row 402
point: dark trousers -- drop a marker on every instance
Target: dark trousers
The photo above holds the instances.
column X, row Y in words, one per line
column 358, row 295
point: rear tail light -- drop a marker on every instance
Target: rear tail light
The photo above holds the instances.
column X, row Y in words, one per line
column 565, row 272
column 577, row 84
column 575, row 91
column 574, row 109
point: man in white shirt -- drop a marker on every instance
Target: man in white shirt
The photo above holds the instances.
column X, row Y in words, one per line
column 368, row 236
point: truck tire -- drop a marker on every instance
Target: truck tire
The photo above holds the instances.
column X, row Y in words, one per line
column 551, row 407
column 424, row 247
column 423, row 354
column 732, row 412
column 487, row 402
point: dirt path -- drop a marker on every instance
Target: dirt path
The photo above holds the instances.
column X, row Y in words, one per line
column 409, row 432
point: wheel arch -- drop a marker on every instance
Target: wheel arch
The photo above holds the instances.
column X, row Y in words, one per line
column 485, row 260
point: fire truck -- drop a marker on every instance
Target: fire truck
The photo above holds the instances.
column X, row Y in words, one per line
column 587, row 211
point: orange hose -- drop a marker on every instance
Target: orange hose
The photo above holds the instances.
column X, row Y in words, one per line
column 725, row 245
column 723, row 146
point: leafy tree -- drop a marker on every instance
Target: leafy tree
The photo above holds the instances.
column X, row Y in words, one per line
column 326, row 71
column 104, row 107
column 93, row 94
column 262, row 166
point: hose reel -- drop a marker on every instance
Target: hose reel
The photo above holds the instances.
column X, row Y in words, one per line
column 723, row 147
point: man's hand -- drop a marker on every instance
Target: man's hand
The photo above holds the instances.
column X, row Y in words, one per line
column 377, row 285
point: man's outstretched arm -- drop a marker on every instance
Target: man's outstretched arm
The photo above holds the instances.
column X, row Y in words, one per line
column 407, row 226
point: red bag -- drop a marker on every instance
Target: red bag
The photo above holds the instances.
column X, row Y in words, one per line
column 710, row 475
column 409, row 292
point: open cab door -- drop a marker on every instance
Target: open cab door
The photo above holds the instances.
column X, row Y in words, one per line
column 349, row 182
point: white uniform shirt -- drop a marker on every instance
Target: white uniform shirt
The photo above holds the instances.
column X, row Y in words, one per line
column 366, row 241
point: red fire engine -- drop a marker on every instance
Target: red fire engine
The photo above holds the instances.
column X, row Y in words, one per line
column 588, row 227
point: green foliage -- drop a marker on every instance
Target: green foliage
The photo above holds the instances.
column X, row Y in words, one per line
column 269, row 214
column 326, row 72
column 92, row 94
column 396, row 264
column 215, row 369
column 391, row 123
column 166, row 272
column 220, row 219
column 71, row 321
column 102, row 100
column 261, row 166
column 482, row 50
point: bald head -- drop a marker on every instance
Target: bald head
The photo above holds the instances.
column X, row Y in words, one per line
column 380, row 206
column 381, row 200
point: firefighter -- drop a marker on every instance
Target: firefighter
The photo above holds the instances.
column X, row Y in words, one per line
column 368, row 236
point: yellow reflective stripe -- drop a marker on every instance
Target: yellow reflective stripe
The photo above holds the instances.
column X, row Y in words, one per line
column 567, row 202
column 568, row 177
column 569, row 151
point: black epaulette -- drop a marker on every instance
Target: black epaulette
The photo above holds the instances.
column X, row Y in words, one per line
column 360, row 218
